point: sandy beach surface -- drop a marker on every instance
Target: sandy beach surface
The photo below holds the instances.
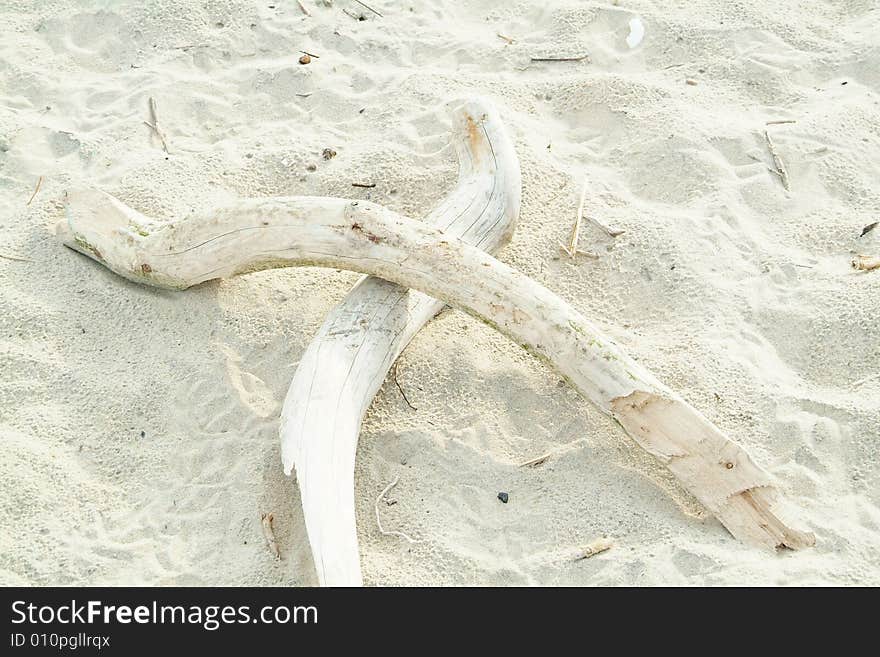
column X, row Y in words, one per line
column 139, row 427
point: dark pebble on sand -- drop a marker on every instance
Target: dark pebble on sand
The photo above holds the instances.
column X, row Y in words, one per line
column 503, row 497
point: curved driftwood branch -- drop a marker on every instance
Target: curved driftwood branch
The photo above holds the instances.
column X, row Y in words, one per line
column 344, row 366
column 254, row 234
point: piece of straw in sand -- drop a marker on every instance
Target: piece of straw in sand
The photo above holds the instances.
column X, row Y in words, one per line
column 866, row 263
column 535, row 462
column 576, row 229
column 366, row 6
column 303, row 8
column 154, row 123
column 777, row 161
column 593, row 548
column 572, row 249
column 269, row 532
column 36, row 189
column 16, row 258
column 560, row 59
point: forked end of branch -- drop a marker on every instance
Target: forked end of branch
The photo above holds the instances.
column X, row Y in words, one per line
column 715, row 470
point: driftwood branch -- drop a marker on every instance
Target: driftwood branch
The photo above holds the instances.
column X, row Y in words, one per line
column 349, row 358
column 255, row 234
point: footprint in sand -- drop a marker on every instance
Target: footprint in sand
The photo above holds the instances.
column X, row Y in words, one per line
column 251, row 389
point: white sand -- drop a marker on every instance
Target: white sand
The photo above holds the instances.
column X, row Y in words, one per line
column 734, row 292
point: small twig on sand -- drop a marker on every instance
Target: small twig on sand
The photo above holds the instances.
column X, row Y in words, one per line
column 366, row 6
column 506, row 38
column 780, row 122
column 560, row 59
column 16, row 258
column 532, row 463
column 572, row 249
column 589, row 254
column 269, row 532
column 400, row 389
column 303, row 8
column 36, row 189
column 154, row 115
column 866, row 263
column 666, row 68
column 777, row 161
column 364, row 185
column 353, row 15
column 867, row 229
column 310, row 54
column 576, row 229
column 382, row 530
column 593, row 548
column 304, row 95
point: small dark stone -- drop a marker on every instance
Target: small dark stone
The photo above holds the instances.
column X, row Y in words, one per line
column 328, row 153
column 503, row 497
column 311, row 167
column 143, row 434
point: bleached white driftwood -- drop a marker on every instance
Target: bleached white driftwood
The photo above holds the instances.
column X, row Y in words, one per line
column 347, row 361
column 254, row 234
